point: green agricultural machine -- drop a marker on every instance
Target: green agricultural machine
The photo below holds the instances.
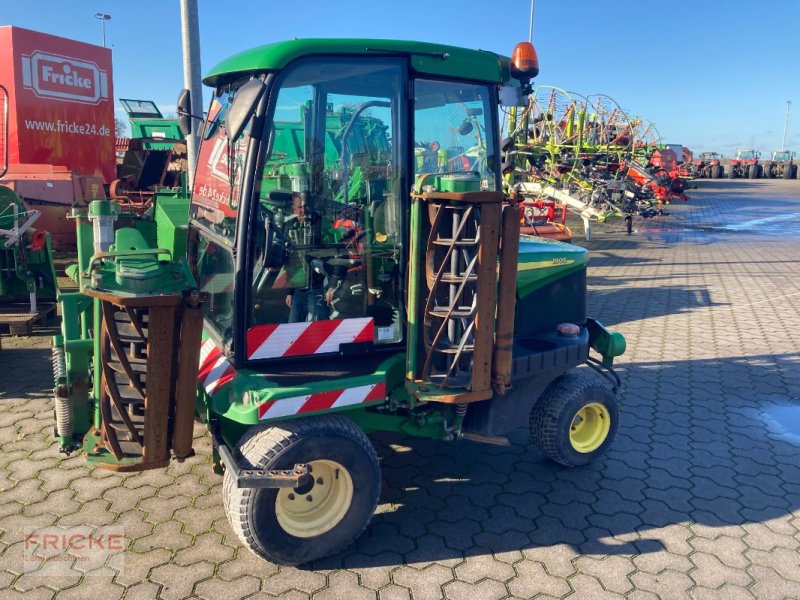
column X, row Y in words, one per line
column 26, row 260
column 349, row 266
column 781, row 164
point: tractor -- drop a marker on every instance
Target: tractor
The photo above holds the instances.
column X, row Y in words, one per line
column 781, row 165
column 332, row 280
column 744, row 165
column 707, row 166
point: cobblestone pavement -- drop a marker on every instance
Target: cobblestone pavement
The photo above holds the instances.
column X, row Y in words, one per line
column 699, row 497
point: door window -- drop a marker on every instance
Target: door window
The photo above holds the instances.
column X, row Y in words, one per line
column 327, row 252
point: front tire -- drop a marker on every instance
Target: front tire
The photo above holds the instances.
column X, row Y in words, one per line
column 292, row 526
column 575, row 420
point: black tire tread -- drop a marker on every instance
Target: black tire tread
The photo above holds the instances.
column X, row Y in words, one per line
column 544, row 415
column 263, row 443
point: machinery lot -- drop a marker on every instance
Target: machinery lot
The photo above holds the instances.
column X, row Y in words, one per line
column 699, row 496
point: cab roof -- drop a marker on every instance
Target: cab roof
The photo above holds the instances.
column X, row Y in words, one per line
column 427, row 58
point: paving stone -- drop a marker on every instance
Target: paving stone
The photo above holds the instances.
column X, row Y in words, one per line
column 585, row 586
column 424, row 583
column 476, row 568
column 241, row 587
column 769, row 585
column 394, row 592
column 729, row 592
column 487, row 589
column 137, row 565
column 532, row 579
column 145, row 590
column 667, row 584
column 179, row 582
column 710, row 572
column 612, row 571
column 92, row 587
column 208, row 546
column 289, row 578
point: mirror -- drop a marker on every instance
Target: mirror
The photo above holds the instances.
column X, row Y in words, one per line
column 465, row 128
column 243, row 107
column 185, row 112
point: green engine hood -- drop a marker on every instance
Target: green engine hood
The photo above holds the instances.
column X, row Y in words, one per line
column 542, row 261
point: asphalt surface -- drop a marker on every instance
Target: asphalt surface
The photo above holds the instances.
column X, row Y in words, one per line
column 699, row 497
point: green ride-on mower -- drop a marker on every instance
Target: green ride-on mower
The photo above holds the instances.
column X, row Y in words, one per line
column 329, row 283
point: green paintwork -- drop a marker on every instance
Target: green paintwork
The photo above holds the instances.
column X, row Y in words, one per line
column 226, row 403
column 606, row 343
column 542, row 261
column 426, row 58
column 23, row 270
column 171, row 216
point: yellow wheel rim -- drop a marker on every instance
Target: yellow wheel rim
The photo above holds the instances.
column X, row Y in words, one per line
column 315, row 509
column 589, row 427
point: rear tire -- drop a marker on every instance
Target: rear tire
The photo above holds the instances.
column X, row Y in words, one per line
column 731, row 172
column 292, row 526
column 768, row 173
column 788, row 171
column 753, row 171
column 716, row 171
column 575, row 420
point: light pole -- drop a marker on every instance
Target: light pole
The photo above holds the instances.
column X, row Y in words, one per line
column 786, row 124
column 103, row 18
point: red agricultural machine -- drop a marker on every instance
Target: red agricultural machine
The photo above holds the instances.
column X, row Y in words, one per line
column 708, row 166
column 745, row 165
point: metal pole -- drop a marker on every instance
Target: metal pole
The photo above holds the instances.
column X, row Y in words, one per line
column 190, row 34
column 103, row 18
column 530, row 30
column 786, row 124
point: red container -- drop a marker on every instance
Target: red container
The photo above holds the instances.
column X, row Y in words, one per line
column 60, row 103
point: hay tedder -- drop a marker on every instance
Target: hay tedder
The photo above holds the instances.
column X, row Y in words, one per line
column 585, row 154
column 348, row 266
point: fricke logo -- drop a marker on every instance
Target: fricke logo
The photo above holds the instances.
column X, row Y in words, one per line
column 62, row 78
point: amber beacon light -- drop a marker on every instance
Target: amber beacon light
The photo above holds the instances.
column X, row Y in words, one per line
column 524, row 62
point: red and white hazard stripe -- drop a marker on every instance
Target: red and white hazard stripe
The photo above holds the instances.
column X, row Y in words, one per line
column 288, row 407
column 216, row 371
column 314, row 337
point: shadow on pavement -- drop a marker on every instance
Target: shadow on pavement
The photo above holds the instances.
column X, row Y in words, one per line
column 698, row 445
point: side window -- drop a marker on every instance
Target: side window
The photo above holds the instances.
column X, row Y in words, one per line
column 214, row 211
column 451, row 130
column 327, row 266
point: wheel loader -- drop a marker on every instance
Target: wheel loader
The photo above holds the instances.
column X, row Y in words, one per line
column 326, row 284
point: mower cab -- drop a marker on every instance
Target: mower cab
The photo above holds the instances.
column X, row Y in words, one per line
column 358, row 269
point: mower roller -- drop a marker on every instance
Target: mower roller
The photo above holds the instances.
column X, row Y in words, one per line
column 347, row 269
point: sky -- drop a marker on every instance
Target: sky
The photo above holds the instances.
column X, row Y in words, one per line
column 710, row 74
